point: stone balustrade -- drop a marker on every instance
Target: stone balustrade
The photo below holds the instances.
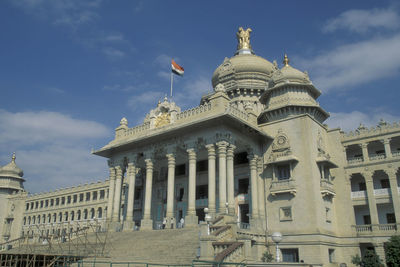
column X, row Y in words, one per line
column 283, row 186
column 183, row 117
column 382, row 192
column 367, row 229
column 396, row 154
column 355, row 160
column 359, row 194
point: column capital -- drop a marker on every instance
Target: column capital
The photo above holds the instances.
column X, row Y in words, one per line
column 368, row 175
column 229, row 150
column 149, row 163
column 386, row 141
column 112, row 173
column 118, row 171
column 223, row 144
column 364, row 145
column 253, row 161
column 210, row 148
column 392, row 173
column 192, row 153
column 171, row 159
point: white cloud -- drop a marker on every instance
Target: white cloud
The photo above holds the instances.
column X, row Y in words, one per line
column 148, row 99
column 113, row 53
column 361, row 21
column 355, row 64
column 350, row 121
column 163, row 61
column 52, row 148
column 191, row 92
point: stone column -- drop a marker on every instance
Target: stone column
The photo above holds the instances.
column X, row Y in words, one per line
column 395, row 194
column 230, row 179
column 111, row 190
column 388, row 151
column 171, row 188
column 191, row 218
column 117, row 197
column 222, row 175
column 131, row 175
column 147, row 222
column 364, row 148
column 211, row 179
column 373, row 211
column 253, row 185
column 260, row 193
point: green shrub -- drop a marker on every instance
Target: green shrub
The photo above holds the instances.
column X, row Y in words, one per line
column 267, row 257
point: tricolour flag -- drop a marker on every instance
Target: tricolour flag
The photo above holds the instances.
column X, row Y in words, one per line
column 178, row 70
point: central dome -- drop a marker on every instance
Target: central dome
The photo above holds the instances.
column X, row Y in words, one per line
column 243, row 71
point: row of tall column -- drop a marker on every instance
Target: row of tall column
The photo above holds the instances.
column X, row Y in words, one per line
column 225, row 153
column 369, row 181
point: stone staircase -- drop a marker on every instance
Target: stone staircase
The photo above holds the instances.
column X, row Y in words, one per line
column 175, row 246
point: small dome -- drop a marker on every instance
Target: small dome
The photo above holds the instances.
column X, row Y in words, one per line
column 241, row 63
column 11, row 169
column 288, row 74
column 124, row 122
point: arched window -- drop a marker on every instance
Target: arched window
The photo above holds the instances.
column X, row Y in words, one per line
column 29, row 220
column 49, row 218
column 38, row 219
column 78, row 215
column 99, row 213
column 85, row 214
column 44, row 218
column 72, row 215
column 92, row 213
column 60, row 217
column 33, row 219
column 66, row 216
column 24, row 220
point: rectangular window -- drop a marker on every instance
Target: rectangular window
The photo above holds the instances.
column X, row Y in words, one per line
column 180, row 169
column 36, row 204
column 283, row 172
column 390, row 218
column 62, row 200
column 362, row 186
column 81, row 197
column 385, row 183
column 331, row 253
column 57, row 201
column 27, row 206
column 94, row 195
column 290, row 254
column 87, row 196
column 75, row 198
column 201, row 191
column 102, row 193
column 69, row 200
column 47, row 203
column 367, row 219
column 243, row 186
column 202, row 166
column 51, row 202
column 41, row 204
column 240, row 158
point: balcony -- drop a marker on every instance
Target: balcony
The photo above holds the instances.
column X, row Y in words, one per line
column 382, row 192
column 355, row 160
column 327, row 188
column 283, row 186
column 373, row 157
column 358, row 194
column 383, row 229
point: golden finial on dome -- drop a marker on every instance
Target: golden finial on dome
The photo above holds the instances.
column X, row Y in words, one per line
column 13, row 157
column 243, row 37
column 286, row 60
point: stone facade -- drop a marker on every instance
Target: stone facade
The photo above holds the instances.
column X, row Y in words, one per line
column 256, row 153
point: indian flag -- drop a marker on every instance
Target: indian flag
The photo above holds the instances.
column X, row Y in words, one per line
column 178, row 70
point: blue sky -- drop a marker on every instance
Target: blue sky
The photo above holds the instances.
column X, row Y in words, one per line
column 71, row 69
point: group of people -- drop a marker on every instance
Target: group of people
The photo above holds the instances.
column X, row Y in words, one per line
column 180, row 224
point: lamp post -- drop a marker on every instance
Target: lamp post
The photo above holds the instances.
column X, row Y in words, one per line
column 277, row 237
column 208, row 219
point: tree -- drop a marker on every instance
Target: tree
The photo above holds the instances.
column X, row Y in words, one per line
column 267, row 257
column 370, row 259
column 392, row 251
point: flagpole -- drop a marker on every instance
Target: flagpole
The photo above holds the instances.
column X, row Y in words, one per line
column 172, row 80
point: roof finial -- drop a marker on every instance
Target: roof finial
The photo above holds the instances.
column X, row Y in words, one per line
column 13, row 157
column 286, row 60
column 243, row 37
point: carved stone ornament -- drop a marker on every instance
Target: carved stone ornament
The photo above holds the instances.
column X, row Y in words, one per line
column 163, row 119
column 281, row 142
column 320, row 143
column 243, row 37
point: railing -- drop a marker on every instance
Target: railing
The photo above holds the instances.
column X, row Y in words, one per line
column 193, row 111
column 227, row 250
column 363, row 228
column 387, row 227
column 282, row 186
column 377, row 156
column 243, row 225
column 381, row 192
column 238, row 113
column 137, row 129
column 355, row 160
column 396, row 154
column 359, row 194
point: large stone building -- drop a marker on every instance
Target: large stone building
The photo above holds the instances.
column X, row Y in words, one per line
column 255, row 151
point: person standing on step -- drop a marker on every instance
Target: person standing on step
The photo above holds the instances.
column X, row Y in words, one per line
column 164, row 223
column 172, row 222
column 182, row 222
